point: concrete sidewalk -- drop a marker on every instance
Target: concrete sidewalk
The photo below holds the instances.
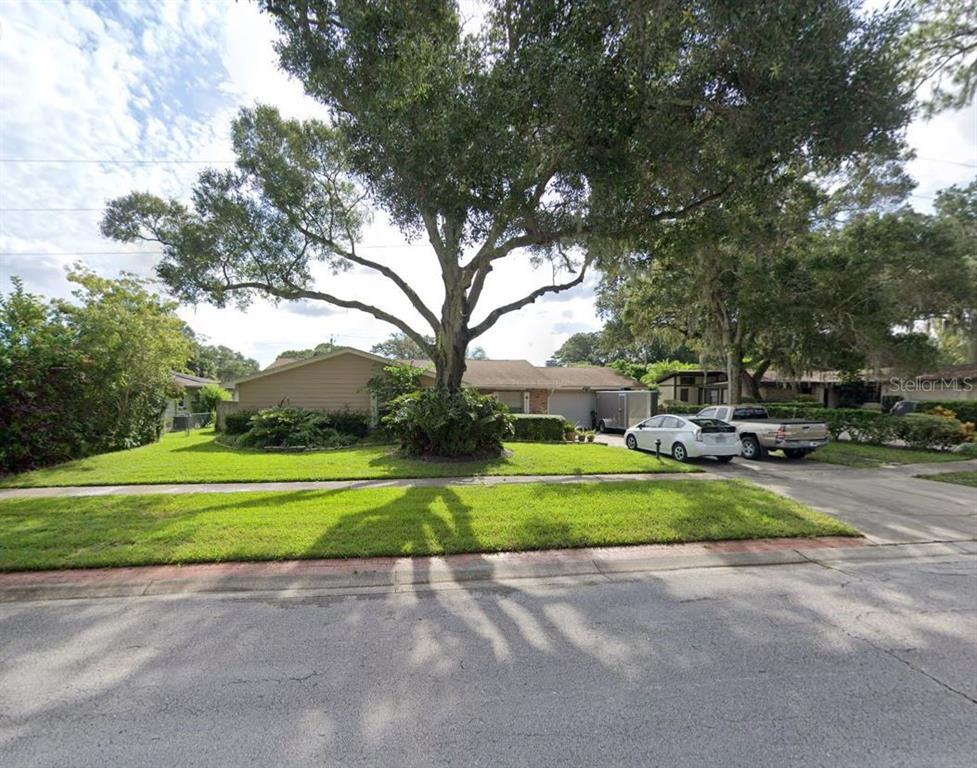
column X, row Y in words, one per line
column 355, row 576
column 333, row 485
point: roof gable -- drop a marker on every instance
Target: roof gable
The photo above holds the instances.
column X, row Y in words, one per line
column 278, row 366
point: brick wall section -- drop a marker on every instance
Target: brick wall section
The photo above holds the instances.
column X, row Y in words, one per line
column 539, row 401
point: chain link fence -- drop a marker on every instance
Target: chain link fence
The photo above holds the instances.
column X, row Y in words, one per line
column 184, row 422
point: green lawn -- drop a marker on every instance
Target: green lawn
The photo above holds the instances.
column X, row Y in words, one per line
column 138, row 530
column 859, row 455
column 958, row 478
column 196, row 458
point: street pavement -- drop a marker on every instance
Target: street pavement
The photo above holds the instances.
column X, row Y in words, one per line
column 852, row 663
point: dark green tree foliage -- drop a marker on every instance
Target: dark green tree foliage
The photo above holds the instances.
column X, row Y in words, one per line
column 219, row 362
column 303, row 354
column 943, row 46
column 561, row 128
column 87, row 376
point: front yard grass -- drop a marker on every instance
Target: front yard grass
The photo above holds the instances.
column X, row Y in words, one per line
column 179, row 458
column 861, row 455
column 957, row 478
column 140, row 530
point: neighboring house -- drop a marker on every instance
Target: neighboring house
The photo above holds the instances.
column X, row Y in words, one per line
column 709, row 387
column 955, row 382
column 182, row 405
column 337, row 380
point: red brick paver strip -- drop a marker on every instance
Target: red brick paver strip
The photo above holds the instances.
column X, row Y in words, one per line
column 387, row 571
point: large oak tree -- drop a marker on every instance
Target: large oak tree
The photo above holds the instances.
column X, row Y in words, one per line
column 561, row 127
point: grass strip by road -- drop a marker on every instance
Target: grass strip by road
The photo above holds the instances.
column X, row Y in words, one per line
column 867, row 456
column 143, row 530
column 197, row 458
column 957, row 478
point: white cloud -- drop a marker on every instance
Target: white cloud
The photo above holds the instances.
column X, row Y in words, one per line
column 135, row 80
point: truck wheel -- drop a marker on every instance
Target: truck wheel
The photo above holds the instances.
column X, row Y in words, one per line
column 632, row 443
column 795, row 453
column 679, row 453
column 751, row 448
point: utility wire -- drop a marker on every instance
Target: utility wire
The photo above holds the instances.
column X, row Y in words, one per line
column 109, row 160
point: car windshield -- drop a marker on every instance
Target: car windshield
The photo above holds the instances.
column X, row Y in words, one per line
column 755, row 414
column 700, row 422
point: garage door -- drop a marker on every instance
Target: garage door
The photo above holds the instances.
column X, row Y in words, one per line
column 573, row 406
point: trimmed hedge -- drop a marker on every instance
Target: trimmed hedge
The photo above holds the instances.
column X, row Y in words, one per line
column 966, row 410
column 237, row 422
column 538, row 427
column 682, row 408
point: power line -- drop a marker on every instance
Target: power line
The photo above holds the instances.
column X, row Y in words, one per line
column 80, row 253
column 948, row 162
column 101, row 160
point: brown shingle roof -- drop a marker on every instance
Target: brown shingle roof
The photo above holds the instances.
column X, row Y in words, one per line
column 588, row 377
column 521, row 374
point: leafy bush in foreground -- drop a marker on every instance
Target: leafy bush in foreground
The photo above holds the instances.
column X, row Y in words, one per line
column 435, row 422
column 302, row 428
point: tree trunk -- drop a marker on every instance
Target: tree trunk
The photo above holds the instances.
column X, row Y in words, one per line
column 450, row 368
column 753, row 379
column 734, row 375
column 452, row 341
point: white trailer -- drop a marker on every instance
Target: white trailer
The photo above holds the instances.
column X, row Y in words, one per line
column 622, row 408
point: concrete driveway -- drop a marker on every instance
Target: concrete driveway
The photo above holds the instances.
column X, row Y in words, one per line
column 887, row 505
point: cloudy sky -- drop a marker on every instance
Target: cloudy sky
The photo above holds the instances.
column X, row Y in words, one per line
column 89, row 91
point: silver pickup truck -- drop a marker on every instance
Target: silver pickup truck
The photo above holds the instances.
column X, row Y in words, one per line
column 759, row 433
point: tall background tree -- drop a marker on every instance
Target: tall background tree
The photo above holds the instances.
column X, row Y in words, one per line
column 559, row 130
column 85, row 376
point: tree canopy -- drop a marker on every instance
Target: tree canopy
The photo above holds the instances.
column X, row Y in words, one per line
column 88, row 375
column 557, row 132
column 217, row 361
column 943, row 46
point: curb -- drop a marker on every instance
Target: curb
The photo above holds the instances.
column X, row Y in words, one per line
column 405, row 572
column 349, row 577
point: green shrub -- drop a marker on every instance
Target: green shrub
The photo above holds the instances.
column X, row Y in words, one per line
column 293, row 428
column 682, row 407
column 538, row 427
column 435, row 422
column 966, row 410
column 969, row 449
column 921, row 430
column 349, row 422
column 209, row 396
column 237, row 422
column 392, row 382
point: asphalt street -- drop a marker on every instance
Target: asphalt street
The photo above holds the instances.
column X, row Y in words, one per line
column 866, row 663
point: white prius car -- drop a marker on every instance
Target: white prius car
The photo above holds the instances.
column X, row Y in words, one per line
column 684, row 437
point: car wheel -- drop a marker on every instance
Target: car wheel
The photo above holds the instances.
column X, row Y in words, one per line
column 751, row 448
column 632, row 443
column 679, row 453
column 724, row 459
column 794, row 453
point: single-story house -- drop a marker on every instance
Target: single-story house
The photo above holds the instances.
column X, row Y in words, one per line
column 337, row 380
column 189, row 385
column 710, row 387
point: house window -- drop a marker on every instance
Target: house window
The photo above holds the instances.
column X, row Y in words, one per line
column 684, row 395
column 687, row 381
column 514, row 400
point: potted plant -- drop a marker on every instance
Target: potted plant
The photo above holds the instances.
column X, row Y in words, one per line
column 569, row 432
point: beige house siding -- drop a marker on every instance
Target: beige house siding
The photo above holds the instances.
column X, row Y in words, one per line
column 331, row 384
